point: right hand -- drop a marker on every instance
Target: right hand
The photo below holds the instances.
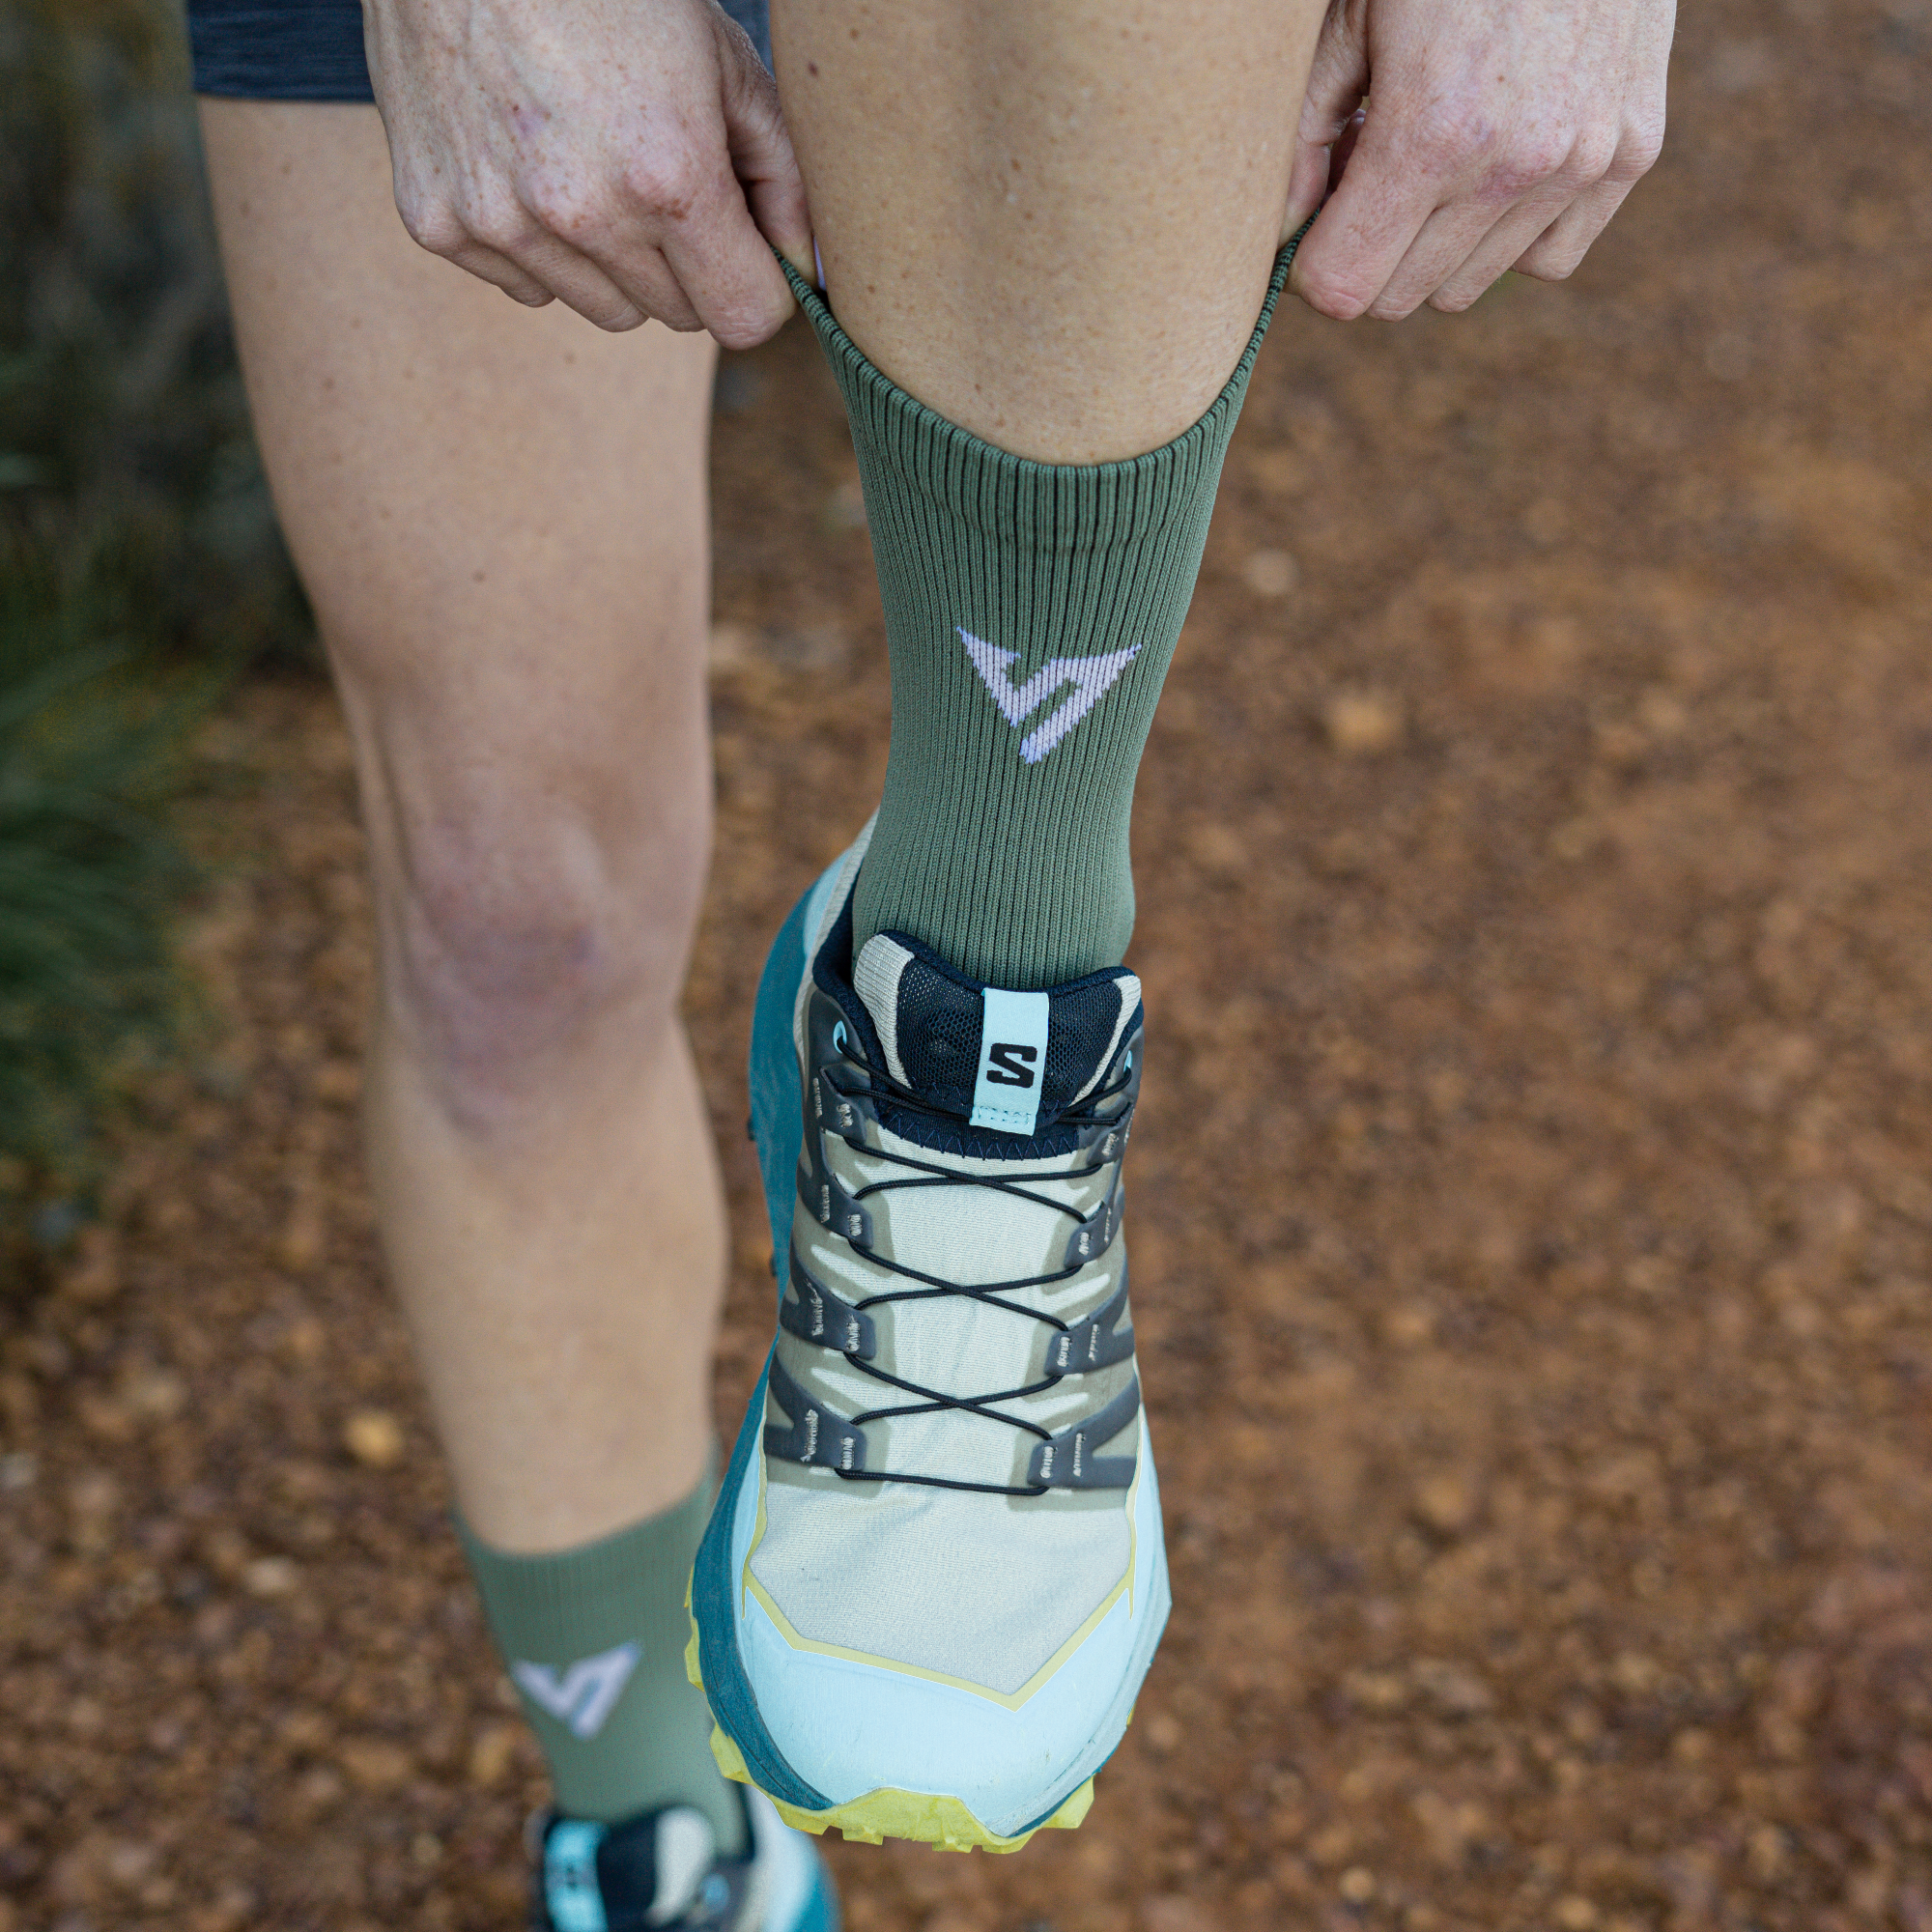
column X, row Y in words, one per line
column 624, row 156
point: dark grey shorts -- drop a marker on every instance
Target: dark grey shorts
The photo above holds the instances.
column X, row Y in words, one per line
column 312, row 49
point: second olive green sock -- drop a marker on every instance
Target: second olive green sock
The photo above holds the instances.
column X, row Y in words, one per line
column 593, row 1638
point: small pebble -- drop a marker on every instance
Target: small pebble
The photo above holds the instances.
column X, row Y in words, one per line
column 1456, row 1692
column 320, row 1789
column 93, row 1495
column 304, row 1730
column 492, row 1754
column 1447, row 1501
column 304, row 1235
column 1767, row 1852
column 1692, row 1745
column 1163, row 1732
column 1331, row 1845
column 374, row 1765
column 338, row 1083
column 127, row 1862
column 1362, row 724
column 374, row 1437
column 1636, row 1674
column 1271, row 573
column 1375, row 1689
column 271, row 1577
column 1358, row 1884
column 156, row 1395
column 306, row 1340
column 1408, row 1327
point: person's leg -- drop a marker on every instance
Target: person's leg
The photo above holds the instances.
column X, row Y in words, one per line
column 1053, row 227
column 500, row 519
column 935, row 1578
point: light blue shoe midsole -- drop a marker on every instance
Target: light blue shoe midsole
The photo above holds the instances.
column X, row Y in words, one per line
column 853, row 1727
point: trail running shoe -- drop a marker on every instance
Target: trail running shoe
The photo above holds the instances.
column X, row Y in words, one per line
column 663, row 1869
column 934, row 1579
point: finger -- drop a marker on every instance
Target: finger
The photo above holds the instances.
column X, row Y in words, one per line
column 1337, row 79
column 1444, row 243
column 580, row 283
column 1539, row 169
column 722, row 263
column 1498, row 251
column 433, row 225
column 1555, row 253
column 1346, row 145
column 486, row 265
column 574, row 279
column 1365, row 230
column 499, row 240
column 761, row 156
column 1307, row 186
column 598, row 260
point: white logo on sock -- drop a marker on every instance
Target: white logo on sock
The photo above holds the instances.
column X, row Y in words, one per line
column 586, row 1694
column 1089, row 677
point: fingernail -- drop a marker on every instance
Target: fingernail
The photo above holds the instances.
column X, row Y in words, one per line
column 818, row 264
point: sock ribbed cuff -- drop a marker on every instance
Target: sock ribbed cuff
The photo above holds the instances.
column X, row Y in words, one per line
column 1046, row 507
column 555, row 1607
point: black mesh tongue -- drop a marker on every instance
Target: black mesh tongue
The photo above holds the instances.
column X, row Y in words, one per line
column 933, row 1023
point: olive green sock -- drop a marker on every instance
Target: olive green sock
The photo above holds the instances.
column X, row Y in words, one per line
column 1032, row 610
column 593, row 1638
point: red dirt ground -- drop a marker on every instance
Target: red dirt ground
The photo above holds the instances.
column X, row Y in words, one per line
column 1532, row 1210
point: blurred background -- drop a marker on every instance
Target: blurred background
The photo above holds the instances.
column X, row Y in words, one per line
column 1533, row 1208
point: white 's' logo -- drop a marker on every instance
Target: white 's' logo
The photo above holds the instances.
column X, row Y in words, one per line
column 1089, row 677
column 586, row 1694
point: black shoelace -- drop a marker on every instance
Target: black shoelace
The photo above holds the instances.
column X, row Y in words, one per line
column 935, row 1173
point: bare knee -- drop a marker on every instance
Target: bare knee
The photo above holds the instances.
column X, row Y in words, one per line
column 525, row 949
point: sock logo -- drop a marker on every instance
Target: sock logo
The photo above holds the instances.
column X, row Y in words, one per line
column 1091, row 679
column 586, row 1694
column 1010, row 1063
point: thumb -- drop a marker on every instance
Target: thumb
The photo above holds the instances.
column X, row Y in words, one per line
column 764, row 160
column 1337, row 82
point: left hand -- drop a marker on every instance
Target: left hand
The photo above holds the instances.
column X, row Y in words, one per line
column 1497, row 134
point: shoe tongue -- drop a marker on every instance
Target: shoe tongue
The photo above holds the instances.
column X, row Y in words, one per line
column 1012, row 1063
column 683, row 1855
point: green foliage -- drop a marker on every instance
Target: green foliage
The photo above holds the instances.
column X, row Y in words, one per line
column 136, row 544
column 90, row 876
column 126, row 458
